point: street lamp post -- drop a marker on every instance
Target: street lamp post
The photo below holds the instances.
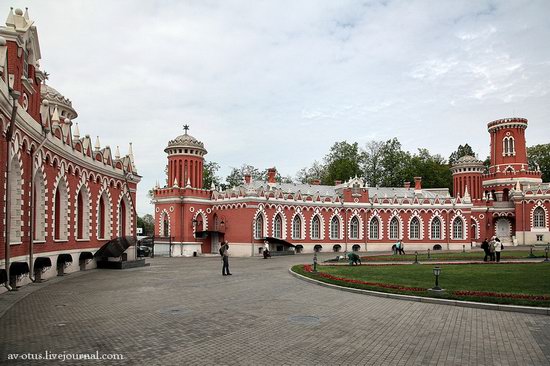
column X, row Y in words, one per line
column 437, row 273
column 546, row 253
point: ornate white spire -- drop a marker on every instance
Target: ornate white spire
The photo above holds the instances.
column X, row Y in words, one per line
column 518, row 187
column 10, row 22
column 213, row 186
column 117, row 153
column 188, row 185
column 467, row 198
column 97, row 144
column 76, row 132
column 176, row 183
column 55, row 115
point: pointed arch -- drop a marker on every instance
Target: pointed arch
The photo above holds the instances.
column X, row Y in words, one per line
column 279, row 224
column 82, row 213
column 539, row 217
column 458, row 228
column 260, row 223
column 124, row 216
column 39, row 204
column 298, row 225
column 16, row 198
column 354, row 226
column 375, row 226
column 395, row 227
column 416, row 227
column 436, row 227
column 104, row 215
column 164, row 224
column 317, row 226
column 336, row 226
column 61, row 207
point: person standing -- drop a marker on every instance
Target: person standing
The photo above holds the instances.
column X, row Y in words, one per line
column 498, row 249
column 492, row 249
column 224, row 251
column 485, row 247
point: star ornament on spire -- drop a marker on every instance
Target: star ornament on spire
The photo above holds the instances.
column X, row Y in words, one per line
column 185, row 128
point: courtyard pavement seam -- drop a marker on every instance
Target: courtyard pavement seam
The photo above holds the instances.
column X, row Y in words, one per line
column 431, row 300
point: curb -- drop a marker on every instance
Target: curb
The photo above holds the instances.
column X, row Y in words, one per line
column 430, row 300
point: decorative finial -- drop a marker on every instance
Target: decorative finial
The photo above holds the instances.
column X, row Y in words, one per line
column 185, row 128
column 117, row 153
column 76, row 133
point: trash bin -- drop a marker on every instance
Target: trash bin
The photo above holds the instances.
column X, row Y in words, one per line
column 194, row 254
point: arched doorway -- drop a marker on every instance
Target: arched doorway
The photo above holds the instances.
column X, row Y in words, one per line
column 299, row 248
column 356, row 247
column 336, row 248
column 318, row 247
column 503, row 228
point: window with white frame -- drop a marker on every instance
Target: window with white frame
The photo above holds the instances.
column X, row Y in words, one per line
column 278, row 227
column 508, row 146
column 458, row 229
column 297, row 227
column 539, row 218
column 259, row 227
column 394, row 228
column 374, row 228
column 414, row 228
column 354, row 228
column 316, row 228
column 335, row 228
column 436, row 228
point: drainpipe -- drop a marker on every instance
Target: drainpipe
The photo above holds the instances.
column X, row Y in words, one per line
column 523, row 216
column 9, row 135
column 449, row 229
column 32, row 228
column 134, row 221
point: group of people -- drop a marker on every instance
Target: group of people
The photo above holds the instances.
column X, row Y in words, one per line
column 492, row 249
column 398, row 248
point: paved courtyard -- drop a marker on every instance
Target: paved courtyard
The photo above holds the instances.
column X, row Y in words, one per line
column 181, row 311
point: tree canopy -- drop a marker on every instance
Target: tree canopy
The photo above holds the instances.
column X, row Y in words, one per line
column 539, row 157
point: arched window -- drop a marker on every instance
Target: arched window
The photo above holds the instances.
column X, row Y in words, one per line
column 122, row 218
column 39, row 207
column 414, row 228
column 104, row 217
column 394, row 228
column 335, row 228
column 374, row 228
column 436, row 229
column 316, row 228
column 259, row 227
column 82, row 214
column 508, row 146
column 165, row 225
column 354, row 228
column 15, row 201
column 61, row 207
column 458, row 229
column 297, row 227
column 278, row 227
column 539, row 218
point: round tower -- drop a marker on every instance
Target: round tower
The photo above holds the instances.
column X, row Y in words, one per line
column 185, row 161
column 509, row 164
column 467, row 172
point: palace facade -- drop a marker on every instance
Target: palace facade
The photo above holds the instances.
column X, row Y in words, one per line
column 63, row 196
column 509, row 201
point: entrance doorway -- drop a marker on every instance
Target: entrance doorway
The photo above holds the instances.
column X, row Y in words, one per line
column 503, row 228
column 215, row 240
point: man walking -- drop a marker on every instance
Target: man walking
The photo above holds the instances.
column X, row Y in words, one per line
column 225, row 258
column 485, row 247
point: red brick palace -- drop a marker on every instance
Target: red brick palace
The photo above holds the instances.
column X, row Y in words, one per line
column 63, row 196
column 509, row 201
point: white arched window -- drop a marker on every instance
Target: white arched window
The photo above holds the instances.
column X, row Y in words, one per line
column 124, row 217
column 15, row 201
column 374, row 227
column 165, row 222
column 278, row 227
column 414, row 228
column 39, row 207
column 508, row 146
column 297, row 227
column 539, row 218
column 82, row 213
column 335, row 228
column 259, row 227
column 61, row 208
column 436, row 229
column 104, row 217
column 394, row 229
column 354, row 228
column 458, row 229
column 316, row 228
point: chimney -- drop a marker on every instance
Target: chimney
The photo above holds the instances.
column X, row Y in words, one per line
column 271, row 173
column 247, row 178
column 316, row 182
column 337, row 182
column 417, row 183
column 407, row 185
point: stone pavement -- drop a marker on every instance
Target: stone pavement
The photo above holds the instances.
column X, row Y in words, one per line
column 181, row 311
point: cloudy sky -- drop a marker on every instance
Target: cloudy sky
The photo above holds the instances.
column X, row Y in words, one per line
column 276, row 83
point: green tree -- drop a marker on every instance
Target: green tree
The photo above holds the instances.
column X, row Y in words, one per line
column 539, row 157
column 342, row 162
column 393, row 164
column 209, row 175
column 462, row 150
column 433, row 169
column 147, row 223
column 236, row 176
column 315, row 171
column 371, row 161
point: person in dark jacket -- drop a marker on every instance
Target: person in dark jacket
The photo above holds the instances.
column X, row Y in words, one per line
column 225, row 258
column 485, row 247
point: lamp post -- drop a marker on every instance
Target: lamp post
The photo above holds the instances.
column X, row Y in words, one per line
column 415, row 258
column 531, row 255
column 429, row 254
column 437, row 273
column 314, row 261
column 546, row 253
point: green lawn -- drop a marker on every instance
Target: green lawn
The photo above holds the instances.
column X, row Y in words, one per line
column 435, row 256
column 497, row 279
